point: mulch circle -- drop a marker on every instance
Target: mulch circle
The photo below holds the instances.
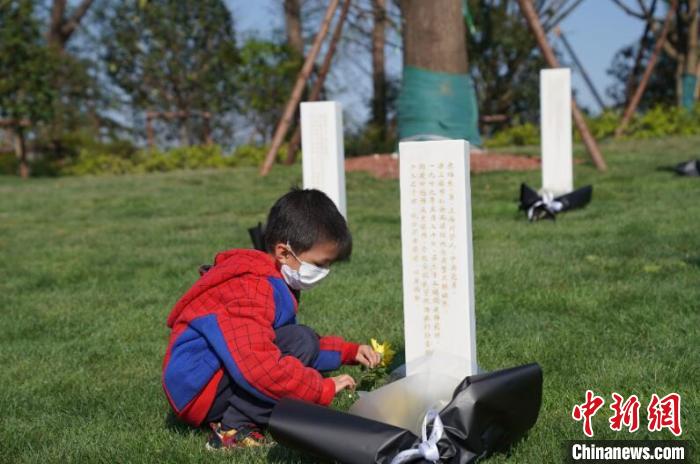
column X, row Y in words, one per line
column 387, row 166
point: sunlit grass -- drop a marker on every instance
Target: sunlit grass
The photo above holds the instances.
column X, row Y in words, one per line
column 606, row 298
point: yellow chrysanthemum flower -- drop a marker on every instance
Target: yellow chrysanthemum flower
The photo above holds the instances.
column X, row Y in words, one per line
column 384, row 350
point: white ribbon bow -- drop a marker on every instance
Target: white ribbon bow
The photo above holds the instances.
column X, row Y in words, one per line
column 548, row 202
column 428, row 449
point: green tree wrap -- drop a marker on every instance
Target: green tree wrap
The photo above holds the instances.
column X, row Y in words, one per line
column 437, row 105
column 688, row 95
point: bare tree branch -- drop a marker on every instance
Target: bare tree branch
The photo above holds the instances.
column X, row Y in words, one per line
column 629, row 11
column 654, row 24
column 646, row 11
column 668, row 48
column 555, row 22
column 58, row 9
column 73, row 22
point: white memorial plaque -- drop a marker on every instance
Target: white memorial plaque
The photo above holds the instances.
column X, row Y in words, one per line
column 436, row 242
column 555, row 121
column 323, row 152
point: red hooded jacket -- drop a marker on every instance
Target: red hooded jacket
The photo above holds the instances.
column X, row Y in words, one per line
column 226, row 322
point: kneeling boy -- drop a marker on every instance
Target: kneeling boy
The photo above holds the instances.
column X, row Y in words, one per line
column 235, row 347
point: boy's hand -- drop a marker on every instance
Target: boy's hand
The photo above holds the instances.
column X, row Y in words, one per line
column 342, row 382
column 367, row 356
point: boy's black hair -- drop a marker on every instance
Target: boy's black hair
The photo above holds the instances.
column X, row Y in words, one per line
column 305, row 218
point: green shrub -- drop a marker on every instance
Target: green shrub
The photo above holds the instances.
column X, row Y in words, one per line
column 89, row 162
column 70, row 144
column 524, row 134
column 663, row 121
column 8, row 163
column 194, row 157
column 254, row 155
column 370, row 140
column 93, row 163
column 660, row 121
column 601, row 126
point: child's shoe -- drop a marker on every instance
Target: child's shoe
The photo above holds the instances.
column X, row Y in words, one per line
column 246, row 436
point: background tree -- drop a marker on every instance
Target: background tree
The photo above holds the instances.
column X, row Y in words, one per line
column 681, row 45
column 293, row 25
column 26, row 93
column 505, row 62
column 64, row 23
column 371, row 27
column 175, row 57
column 81, row 103
column 661, row 88
column 437, row 94
column 379, row 87
column 265, row 78
column 434, row 35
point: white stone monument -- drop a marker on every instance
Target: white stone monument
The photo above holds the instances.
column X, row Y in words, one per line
column 555, row 125
column 438, row 285
column 437, row 255
column 323, row 152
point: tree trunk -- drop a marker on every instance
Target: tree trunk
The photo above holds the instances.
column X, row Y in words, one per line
column 690, row 65
column 378, row 72
column 206, row 128
column 53, row 34
column 435, row 35
column 679, row 80
column 21, row 152
column 61, row 28
column 150, row 135
column 292, row 21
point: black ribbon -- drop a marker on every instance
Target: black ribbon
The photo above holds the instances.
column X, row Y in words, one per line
column 538, row 207
column 688, row 168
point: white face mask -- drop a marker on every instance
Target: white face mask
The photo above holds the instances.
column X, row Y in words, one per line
column 306, row 277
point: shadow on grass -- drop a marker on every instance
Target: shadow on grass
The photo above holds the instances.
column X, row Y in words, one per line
column 693, row 261
column 282, row 455
column 276, row 454
column 174, row 424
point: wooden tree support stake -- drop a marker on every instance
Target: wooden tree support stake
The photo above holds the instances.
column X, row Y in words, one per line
column 651, row 64
column 320, row 79
column 546, row 49
column 288, row 115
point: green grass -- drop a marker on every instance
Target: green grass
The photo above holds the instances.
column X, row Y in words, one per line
column 606, row 298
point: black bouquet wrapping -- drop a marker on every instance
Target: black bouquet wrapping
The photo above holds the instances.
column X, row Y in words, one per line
column 547, row 207
column 488, row 413
column 688, row 168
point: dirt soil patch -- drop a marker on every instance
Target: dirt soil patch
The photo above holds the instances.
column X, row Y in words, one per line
column 387, row 166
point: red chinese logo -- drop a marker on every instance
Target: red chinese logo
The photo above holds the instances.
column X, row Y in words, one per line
column 665, row 413
column 587, row 410
column 662, row 413
column 626, row 413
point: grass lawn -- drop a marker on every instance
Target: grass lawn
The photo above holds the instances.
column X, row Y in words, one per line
column 606, row 298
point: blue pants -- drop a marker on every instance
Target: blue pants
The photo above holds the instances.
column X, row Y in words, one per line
column 233, row 406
